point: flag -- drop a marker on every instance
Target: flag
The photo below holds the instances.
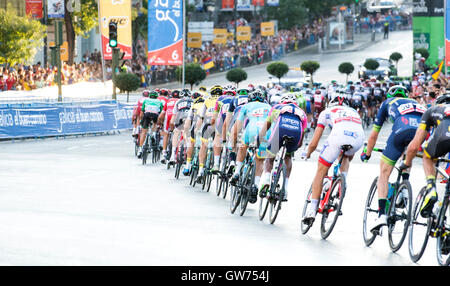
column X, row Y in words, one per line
column 208, row 63
column 437, row 71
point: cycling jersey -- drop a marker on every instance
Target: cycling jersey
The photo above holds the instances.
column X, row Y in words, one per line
column 206, row 113
column 168, row 109
column 286, row 120
column 221, row 108
column 405, row 114
column 318, row 100
column 151, row 108
column 346, row 129
column 181, row 110
column 438, row 118
column 254, row 114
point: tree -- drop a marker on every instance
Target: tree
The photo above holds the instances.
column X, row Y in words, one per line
column 127, row 82
column 194, row 74
column 371, row 64
column 310, row 67
column 277, row 69
column 288, row 13
column 236, row 75
column 82, row 19
column 423, row 52
column 20, row 37
column 346, row 68
column 395, row 57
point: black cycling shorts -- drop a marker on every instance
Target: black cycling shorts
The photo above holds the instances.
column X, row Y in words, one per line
column 149, row 117
column 439, row 142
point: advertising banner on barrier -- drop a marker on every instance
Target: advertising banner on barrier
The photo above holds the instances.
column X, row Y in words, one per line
column 165, row 32
column 119, row 12
column 244, row 33
column 267, row 29
column 220, row 36
column 63, row 120
column 194, row 40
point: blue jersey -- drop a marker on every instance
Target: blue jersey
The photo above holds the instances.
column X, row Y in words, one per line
column 400, row 111
column 254, row 112
column 238, row 100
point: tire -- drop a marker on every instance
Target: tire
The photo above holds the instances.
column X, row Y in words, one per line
column 332, row 209
column 208, row 175
column 277, row 191
column 304, row 228
column 370, row 213
column 246, row 187
column 419, row 229
column 225, row 187
column 235, row 198
column 443, row 240
column 399, row 216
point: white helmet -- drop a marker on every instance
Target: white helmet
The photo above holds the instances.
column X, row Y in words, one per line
column 288, row 98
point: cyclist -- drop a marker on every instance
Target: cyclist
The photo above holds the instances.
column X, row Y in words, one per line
column 346, row 129
column 220, row 112
column 207, row 120
column 251, row 117
column 137, row 112
column 229, row 126
column 165, row 118
column 319, row 101
column 405, row 114
column 151, row 107
column 284, row 119
column 179, row 114
column 307, row 94
column 437, row 145
column 356, row 101
column 191, row 125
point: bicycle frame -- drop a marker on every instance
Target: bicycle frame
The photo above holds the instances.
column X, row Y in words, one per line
column 323, row 202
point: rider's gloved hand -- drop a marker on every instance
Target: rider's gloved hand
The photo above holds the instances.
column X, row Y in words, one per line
column 403, row 166
column 364, row 157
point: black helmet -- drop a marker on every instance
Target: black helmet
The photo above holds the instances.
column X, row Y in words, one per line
column 443, row 99
column 257, row 95
column 185, row 92
column 176, row 93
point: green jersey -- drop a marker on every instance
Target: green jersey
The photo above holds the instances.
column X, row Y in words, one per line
column 152, row 105
column 301, row 101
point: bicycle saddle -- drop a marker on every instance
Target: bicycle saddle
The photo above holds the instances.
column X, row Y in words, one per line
column 346, row 147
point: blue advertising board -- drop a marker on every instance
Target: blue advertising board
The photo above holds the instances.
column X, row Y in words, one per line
column 23, row 122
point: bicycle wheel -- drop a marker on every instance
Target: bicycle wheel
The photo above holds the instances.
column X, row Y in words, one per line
column 370, row 213
column 443, row 239
column 235, row 198
column 333, row 207
column 399, row 216
column 225, row 186
column 180, row 160
column 219, row 181
column 246, row 187
column 304, row 227
column 419, row 229
column 277, row 192
column 208, row 175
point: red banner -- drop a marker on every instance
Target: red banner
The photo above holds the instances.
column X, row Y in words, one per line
column 34, row 8
column 227, row 4
column 258, row 2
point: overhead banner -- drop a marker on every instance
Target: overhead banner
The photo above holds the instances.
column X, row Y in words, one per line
column 267, row 29
column 220, row 36
column 34, row 8
column 244, row 33
column 55, row 9
column 165, row 32
column 64, row 120
column 428, row 29
column 227, row 4
column 119, row 12
column 273, row 2
column 194, row 40
column 258, row 2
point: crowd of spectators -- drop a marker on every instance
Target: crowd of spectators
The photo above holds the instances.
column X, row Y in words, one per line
column 397, row 20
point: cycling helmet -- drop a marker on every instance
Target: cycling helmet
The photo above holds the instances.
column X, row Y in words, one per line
column 397, row 91
column 288, row 98
column 318, row 91
column 176, row 93
column 242, row 91
column 216, row 90
column 230, row 87
column 257, row 95
column 251, row 87
column 339, row 100
column 185, row 92
column 146, row 93
column 202, row 88
column 443, row 99
column 153, row 94
column 164, row 92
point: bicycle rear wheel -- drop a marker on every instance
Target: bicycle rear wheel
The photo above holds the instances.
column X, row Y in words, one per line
column 304, row 227
column 235, row 198
column 443, row 240
column 419, row 229
column 333, row 207
column 370, row 213
column 277, row 193
column 399, row 216
column 246, row 187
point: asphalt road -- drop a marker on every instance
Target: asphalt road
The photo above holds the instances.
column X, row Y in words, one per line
column 89, row 201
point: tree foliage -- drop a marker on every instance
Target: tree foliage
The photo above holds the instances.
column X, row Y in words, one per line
column 371, row 64
column 236, row 75
column 310, row 67
column 194, row 74
column 20, row 37
column 423, row 52
column 346, row 68
column 127, row 82
column 277, row 69
column 395, row 56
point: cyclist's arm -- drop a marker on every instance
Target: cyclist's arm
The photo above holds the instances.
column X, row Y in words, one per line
column 414, row 145
column 372, row 141
column 315, row 140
